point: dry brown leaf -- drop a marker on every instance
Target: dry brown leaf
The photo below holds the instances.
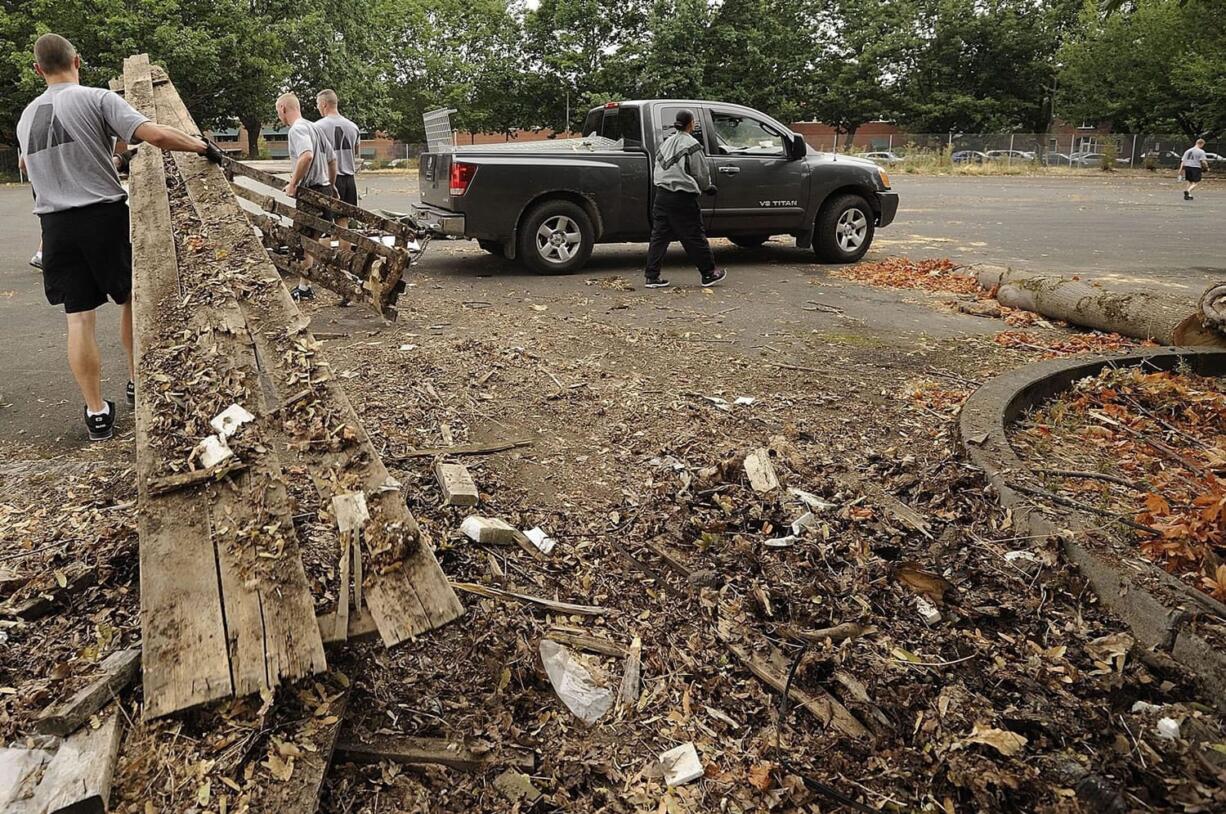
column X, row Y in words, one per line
column 1002, row 740
column 925, row 582
column 760, row 776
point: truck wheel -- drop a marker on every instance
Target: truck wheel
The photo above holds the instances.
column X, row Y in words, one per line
column 556, row 237
column 844, row 230
column 494, row 247
column 749, row 241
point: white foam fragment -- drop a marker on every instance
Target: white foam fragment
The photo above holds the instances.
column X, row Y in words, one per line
column 681, row 765
column 230, row 419
column 213, row 450
column 540, row 539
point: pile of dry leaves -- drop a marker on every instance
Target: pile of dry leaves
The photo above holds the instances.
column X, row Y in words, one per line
column 1053, row 346
column 1156, row 439
column 902, row 272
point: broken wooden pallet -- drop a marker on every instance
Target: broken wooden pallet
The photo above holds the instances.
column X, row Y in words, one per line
column 317, row 430
column 381, row 249
column 225, row 607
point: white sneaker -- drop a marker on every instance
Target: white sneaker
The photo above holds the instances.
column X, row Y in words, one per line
column 37, row 260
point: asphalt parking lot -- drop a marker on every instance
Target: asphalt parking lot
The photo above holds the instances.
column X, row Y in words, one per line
column 1125, row 231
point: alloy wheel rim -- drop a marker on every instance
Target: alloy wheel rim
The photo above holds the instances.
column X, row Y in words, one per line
column 558, row 239
column 851, row 230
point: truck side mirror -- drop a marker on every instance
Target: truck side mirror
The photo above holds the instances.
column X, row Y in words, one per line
column 797, row 148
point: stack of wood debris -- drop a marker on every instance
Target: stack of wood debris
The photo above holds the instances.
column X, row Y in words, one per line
column 236, row 405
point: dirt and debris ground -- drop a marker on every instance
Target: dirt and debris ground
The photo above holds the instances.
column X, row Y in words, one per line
column 1022, row 697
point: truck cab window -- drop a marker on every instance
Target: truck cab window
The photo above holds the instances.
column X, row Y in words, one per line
column 668, row 115
column 737, row 134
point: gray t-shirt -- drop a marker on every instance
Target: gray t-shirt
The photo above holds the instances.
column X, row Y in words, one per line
column 1193, row 157
column 344, row 137
column 67, row 137
column 303, row 137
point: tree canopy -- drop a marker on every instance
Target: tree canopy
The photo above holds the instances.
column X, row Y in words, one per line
column 929, row 65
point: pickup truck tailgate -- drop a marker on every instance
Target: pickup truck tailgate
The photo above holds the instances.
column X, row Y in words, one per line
column 434, row 178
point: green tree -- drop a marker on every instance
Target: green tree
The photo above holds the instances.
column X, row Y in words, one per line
column 1155, row 67
column 982, row 65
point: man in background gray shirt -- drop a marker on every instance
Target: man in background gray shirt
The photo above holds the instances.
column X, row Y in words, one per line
column 344, row 136
column 68, row 137
column 313, row 166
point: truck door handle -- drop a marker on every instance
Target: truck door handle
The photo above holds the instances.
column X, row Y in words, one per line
column 729, row 170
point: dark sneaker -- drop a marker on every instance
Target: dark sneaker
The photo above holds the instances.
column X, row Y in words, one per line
column 101, row 427
column 131, row 392
column 300, row 293
column 714, row 277
column 656, row 282
column 1187, row 196
column 37, row 260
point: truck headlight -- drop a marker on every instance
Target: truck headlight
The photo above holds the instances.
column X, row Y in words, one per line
column 885, row 178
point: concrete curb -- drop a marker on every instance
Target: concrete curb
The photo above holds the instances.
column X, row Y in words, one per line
column 1163, row 613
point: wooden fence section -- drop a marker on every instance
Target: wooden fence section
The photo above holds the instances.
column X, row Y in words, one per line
column 225, row 605
column 318, row 432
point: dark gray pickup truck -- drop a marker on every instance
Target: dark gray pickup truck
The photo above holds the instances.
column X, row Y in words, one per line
column 548, row 203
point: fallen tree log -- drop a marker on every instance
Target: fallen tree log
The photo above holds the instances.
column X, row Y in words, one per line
column 1213, row 306
column 1138, row 314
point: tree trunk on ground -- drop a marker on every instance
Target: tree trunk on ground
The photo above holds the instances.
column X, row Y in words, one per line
column 253, row 137
column 1140, row 315
column 1213, row 307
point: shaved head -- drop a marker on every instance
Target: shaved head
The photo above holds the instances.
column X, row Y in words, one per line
column 54, row 54
column 288, row 101
column 326, row 98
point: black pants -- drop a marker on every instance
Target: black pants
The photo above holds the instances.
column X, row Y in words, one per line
column 677, row 216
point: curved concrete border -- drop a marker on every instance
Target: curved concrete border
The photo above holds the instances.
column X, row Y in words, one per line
column 1170, row 618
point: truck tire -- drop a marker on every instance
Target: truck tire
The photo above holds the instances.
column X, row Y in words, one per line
column 844, row 229
column 749, row 241
column 556, row 237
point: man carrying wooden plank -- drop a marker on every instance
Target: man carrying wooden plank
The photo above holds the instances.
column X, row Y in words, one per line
column 313, row 163
column 344, row 136
column 67, row 137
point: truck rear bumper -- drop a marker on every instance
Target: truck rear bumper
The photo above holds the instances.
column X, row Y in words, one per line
column 889, row 207
column 439, row 221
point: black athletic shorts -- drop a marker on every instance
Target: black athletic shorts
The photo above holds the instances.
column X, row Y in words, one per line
column 87, row 256
column 347, row 188
column 327, row 192
column 1192, row 174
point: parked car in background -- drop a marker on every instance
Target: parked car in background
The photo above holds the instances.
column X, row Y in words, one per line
column 1057, row 159
column 1095, row 160
column 884, row 158
column 969, row 157
column 1214, row 158
column 1009, row 155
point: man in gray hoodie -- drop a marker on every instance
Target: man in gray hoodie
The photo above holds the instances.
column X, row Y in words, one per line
column 681, row 175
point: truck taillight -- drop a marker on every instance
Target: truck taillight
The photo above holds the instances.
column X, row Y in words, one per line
column 461, row 176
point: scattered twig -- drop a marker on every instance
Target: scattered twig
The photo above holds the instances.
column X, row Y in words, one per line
column 1076, row 473
column 463, row 449
column 558, row 607
column 1086, row 507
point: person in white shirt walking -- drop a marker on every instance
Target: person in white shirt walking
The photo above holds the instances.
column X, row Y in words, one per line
column 1193, row 165
column 344, row 136
column 68, row 136
column 313, row 167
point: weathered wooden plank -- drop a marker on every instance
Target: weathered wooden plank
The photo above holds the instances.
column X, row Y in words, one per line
column 65, row 717
column 270, row 616
column 78, row 778
column 406, row 591
column 183, row 629
column 268, row 203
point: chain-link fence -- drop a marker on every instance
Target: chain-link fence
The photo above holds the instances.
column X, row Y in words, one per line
column 1090, row 149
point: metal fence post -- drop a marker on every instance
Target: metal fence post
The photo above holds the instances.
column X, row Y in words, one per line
column 1133, row 158
column 1009, row 160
